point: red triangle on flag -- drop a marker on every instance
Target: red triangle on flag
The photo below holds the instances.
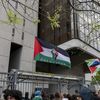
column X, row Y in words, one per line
column 37, row 47
column 92, row 69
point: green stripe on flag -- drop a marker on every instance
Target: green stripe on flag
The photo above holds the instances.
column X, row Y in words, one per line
column 43, row 58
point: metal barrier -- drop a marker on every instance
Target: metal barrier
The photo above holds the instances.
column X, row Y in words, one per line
column 29, row 82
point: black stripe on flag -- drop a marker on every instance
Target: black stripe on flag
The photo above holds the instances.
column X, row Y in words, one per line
column 51, row 46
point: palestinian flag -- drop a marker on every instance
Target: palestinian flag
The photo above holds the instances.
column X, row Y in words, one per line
column 47, row 52
column 93, row 65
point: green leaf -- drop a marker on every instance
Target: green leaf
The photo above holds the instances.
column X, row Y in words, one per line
column 54, row 19
column 36, row 21
column 96, row 78
column 96, row 26
column 12, row 17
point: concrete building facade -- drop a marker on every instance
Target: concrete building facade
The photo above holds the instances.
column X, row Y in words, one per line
column 17, row 37
column 19, row 25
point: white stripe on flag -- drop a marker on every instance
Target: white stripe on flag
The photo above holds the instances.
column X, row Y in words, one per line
column 47, row 52
column 62, row 57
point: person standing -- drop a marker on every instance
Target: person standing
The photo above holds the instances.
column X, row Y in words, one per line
column 26, row 96
column 12, row 94
column 37, row 95
column 98, row 94
column 58, row 96
column 65, row 97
